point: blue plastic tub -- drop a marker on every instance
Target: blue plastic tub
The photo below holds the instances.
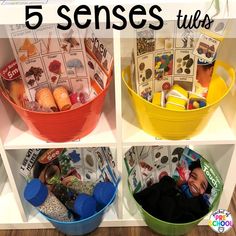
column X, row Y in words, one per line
column 84, row 226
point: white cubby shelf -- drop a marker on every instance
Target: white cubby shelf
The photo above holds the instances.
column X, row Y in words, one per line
column 117, row 128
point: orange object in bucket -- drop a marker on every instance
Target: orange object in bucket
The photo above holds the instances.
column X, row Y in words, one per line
column 67, row 125
column 62, row 98
column 45, row 99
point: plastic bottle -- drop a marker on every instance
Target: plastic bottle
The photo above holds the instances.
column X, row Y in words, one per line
column 103, row 193
column 85, row 206
column 38, row 195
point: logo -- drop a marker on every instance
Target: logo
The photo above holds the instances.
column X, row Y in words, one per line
column 221, row 221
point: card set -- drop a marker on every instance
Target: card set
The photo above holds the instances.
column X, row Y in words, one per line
column 170, row 56
column 87, row 164
column 206, row 48
column 100, row 61
column 189, row 161
column 48, row 57
column 167, row 59
column 147, row 164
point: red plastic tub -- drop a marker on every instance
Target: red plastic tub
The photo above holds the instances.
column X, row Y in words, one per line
column 65, row 125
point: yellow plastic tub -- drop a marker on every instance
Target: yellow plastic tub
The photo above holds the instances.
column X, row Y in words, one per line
column 180, row 124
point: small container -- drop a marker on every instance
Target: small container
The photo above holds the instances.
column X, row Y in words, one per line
column 85, row 206
column 176, row 103
column 62, row 98
column 159, row 99
column 103, row 192
column 45, row 99
column 78, row 186
column 178, row 91
column 38, row 195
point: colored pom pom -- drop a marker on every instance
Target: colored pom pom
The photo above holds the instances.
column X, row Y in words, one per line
column 190, row 106
column 195, row 104
column 202, row 103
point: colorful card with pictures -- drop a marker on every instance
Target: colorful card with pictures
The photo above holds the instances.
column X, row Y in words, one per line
column 48, row 57
column 145, row 90
column 175, row 155
column 130, row 159
column 90, row 159
column 163, row 64
column 206, row 47
column 145, row 41
column 149, row 163
column 111, row 161
column 145, row 68
column 146, row 166
column 100, row 158
column 160, row 155
column 163, row 84
column 98, row 50
column 135, row 180
column 185, row 63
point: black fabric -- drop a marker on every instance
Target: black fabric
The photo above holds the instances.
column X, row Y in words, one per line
column 166, row 202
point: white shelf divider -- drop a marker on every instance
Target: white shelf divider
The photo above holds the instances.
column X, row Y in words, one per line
column 11, row 178
column 117, row 78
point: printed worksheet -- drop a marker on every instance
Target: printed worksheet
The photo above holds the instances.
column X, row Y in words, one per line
column 48, row 57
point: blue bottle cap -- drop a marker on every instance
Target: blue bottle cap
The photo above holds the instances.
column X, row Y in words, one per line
column 202, row 103
column 35, row 192
column 85, row 205
column 103, row 192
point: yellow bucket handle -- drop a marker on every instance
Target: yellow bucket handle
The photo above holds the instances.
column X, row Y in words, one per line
column 228, row 69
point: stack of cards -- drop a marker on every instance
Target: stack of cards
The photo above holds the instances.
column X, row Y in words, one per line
column 170, row 56
column 147, row 164
column 100, row 61
column 50, row 58
column 164, row 58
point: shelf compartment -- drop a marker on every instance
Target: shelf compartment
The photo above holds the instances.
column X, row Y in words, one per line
column 217, row 131
column 19, row 137
column 16, row 135
column 220, row 156
column 10, row 216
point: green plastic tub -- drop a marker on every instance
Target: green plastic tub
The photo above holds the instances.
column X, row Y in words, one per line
column 166, row 228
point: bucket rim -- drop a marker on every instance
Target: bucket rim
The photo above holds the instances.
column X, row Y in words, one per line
column 218, row 63
column 88, row 218
column 59, row 112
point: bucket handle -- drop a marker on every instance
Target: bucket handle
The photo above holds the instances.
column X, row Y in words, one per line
column 126, row 76
column 230, row 71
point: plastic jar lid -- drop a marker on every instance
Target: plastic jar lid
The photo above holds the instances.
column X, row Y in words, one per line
column 85, row 205
column 35, row 192
column 103, row 192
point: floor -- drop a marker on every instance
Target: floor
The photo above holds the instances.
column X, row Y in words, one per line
column 128, row 231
